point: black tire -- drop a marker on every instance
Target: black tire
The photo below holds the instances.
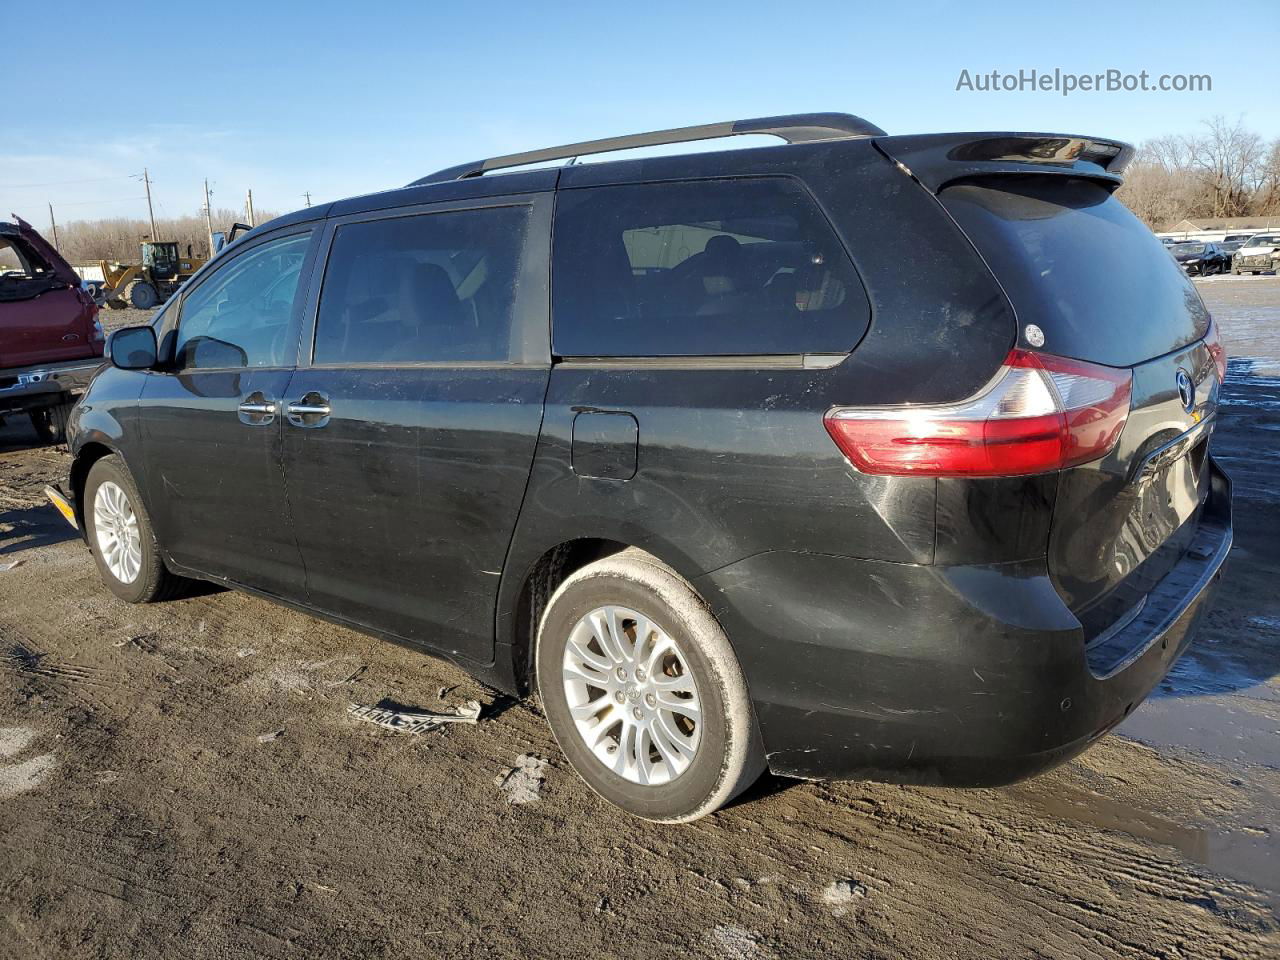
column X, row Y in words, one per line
column 42, row 424
column 142, row 295
column 153, row 581
column 50, row 423
column 729, row 755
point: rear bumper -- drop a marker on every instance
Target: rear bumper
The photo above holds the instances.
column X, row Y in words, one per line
column 28, row 388
column 961, row 675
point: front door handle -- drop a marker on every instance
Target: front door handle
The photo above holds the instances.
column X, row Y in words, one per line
column 257, row 409
column 312, row 410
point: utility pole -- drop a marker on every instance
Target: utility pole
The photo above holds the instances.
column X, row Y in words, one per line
column 308, row 196
column 248, row 207
column 54, row 227
column 208, row 215
column 146, row 180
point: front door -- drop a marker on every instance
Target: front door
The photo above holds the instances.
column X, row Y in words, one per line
column 211, row 420
column 410, row 434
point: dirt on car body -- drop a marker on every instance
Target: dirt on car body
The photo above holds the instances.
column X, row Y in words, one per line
column 187, row 778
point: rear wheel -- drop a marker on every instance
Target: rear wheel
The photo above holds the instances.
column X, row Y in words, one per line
column 121, row 537
column 643, row 692
column 50, row 423
column 41, row 423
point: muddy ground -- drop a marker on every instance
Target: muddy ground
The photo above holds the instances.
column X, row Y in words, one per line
column 184, row 780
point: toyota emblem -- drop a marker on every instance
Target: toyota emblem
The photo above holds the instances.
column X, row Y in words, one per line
column 1186, row 391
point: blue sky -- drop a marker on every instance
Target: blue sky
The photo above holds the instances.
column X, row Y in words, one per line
column 347, row 98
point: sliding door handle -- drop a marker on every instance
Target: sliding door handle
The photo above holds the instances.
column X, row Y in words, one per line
column 312, row 410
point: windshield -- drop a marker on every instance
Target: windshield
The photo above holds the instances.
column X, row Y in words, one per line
column 1264, row 240
column 1188, row 248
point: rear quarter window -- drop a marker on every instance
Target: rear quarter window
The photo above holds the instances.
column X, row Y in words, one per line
column 1079, row 265
column 701, row 268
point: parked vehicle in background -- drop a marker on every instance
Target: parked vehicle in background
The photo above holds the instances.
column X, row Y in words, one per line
column 1230, row 246
column 1200, row 259
column 844, row 458
column 1260, row 253
column 50, row 339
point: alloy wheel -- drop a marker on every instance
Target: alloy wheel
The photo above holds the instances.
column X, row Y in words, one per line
column 116, row 528
column 631, row 695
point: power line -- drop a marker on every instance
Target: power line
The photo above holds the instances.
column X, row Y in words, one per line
column 86, row 203
column 62, row 183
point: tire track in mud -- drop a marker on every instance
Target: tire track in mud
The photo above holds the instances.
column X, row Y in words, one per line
column 1025, row 879
column 166, row 828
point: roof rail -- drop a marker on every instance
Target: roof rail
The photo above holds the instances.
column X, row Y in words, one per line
column 793, row 128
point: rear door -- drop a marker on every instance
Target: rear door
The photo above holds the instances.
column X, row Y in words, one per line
column 1089, row 281
column 411, row 424
column 211, row 418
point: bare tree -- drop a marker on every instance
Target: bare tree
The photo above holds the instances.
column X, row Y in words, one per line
column 1268, row 196
column 1158, row 187
column 1226, row 160
column 1226, row 171
column 120, row 239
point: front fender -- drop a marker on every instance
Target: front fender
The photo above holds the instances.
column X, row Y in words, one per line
column 104, row 422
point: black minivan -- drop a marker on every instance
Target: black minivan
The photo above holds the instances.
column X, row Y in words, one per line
column 855, row 456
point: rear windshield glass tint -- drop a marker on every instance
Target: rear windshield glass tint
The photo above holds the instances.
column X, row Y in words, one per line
column 701, row 268
column 1079, row 265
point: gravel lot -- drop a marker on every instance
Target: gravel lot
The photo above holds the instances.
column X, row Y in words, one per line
column 184, row 780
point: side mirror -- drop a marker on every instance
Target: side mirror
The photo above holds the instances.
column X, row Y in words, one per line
column 132, row 348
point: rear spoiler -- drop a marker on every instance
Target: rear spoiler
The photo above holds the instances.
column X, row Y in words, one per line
column 937, row 159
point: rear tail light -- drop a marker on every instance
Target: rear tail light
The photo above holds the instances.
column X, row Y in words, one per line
column 1214, row 342
column 1040, row 413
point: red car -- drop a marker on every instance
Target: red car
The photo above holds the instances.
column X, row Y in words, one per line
column 50, row 338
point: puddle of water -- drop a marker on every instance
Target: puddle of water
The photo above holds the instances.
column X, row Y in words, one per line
column 1252, row 855
column 1239, row 728
column 1216, row 665
column 1252, row 382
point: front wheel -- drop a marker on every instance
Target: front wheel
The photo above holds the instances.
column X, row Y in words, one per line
column 142, row 295
column 121, row 538
column 643, row 692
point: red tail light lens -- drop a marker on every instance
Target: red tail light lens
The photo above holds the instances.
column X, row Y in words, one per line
column 1040, row 413
column 1214, row 342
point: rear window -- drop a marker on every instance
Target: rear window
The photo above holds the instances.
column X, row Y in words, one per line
column 706, row 268
column 1079, row 265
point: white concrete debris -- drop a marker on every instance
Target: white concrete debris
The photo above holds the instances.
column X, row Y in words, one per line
column 523, row 782
column 735, row 943
column 417, row 722
column 842, row 895
column 21, row 777
column 13, row 740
